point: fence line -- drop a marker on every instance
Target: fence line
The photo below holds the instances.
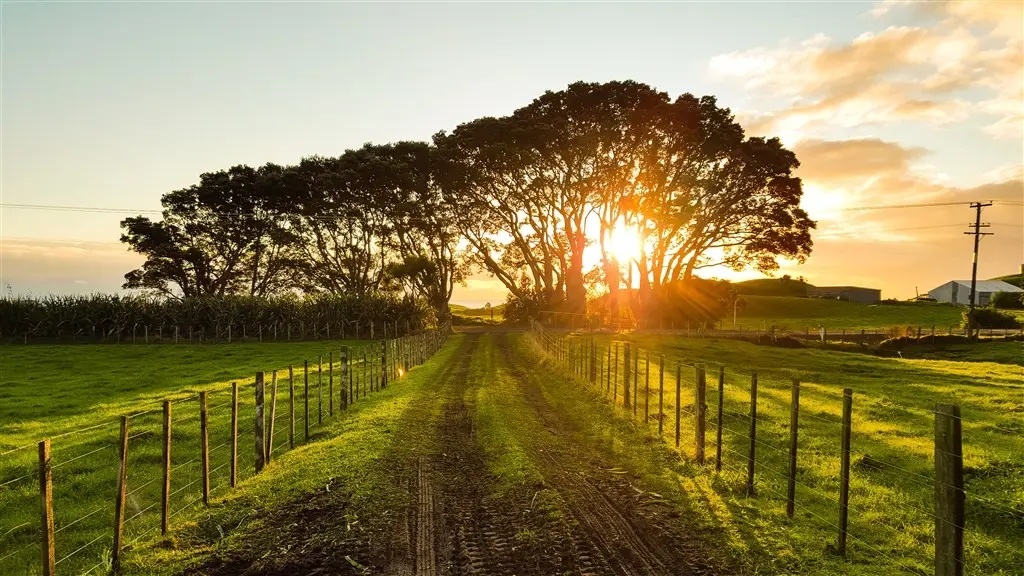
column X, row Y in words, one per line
column 231, row 332
column 392, row 358
column 568, row 354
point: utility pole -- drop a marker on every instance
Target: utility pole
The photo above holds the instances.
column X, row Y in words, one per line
column 977, row 233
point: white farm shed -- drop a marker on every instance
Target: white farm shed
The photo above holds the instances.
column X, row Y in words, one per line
column 959, row 291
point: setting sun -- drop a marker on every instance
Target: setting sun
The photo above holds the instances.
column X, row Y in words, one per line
column 625, row 243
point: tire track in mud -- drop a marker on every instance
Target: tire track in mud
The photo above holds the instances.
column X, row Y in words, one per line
column 426, row 557
column 476, row 534
column 611, row 535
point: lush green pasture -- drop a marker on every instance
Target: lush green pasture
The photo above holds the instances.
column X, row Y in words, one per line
column 792, row 313
column 892, row 486
column 998, row 352
column 357, row 458
column 75, row 394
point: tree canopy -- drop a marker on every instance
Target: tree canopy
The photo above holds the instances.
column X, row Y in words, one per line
column 536, row 199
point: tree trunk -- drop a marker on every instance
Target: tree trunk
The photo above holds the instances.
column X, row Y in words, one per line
column 643, row 289
column 575, row 291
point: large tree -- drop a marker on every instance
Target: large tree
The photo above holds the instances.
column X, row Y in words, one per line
column 221, row 236
column 537, row 187
column 536, row 182
column 712, row 197
column 403, row 179
column 492, row 183
column 342, row 229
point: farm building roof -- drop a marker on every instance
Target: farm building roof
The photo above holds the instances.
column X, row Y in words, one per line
column 990, row 286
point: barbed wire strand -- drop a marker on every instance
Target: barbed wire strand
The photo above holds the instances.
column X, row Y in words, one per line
column 80, row 456
column 141, row 512
column 79, row 519
column 82, row 547
column 13, row 450
column 18, row 479
column 19, row 550
column 22, row 525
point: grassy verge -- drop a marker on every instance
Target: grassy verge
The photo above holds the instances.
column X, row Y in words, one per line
column 75, row 395
column 350, row 475
column 891, row 523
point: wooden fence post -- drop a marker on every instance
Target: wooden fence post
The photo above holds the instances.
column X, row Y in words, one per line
column 165, row 496
column 330, row 386
column 383, row 365
column 608, row 382
column 636, row 379
column 949, row 491
column 273, row 414
column 615, row 380
column 679, row 391
column 661, row 395
column 122, row 492
column 844, row 470
column 320, row 390
column 260, row 442
column 647, row 389
column 718, row 431
column 346, row 374
column 49, row 555
column 593, row 361
column 234, row 434
column 794, row 421
column 305, row 397
column 753, row 435
column 204, row 437
column 700, row 409
column 291, row 407
column 625, row 376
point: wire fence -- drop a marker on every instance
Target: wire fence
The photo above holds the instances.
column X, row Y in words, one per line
column 228, row 332
column 864, row 484
column 100, row 500
column 805, row 332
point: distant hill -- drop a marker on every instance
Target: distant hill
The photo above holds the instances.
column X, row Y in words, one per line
column 460, row 310
column 1015, row 279
column 784, row 286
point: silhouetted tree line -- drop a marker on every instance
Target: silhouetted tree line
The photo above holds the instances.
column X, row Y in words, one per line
column 521, row 196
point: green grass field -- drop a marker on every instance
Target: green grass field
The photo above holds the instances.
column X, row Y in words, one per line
column 75, row 394
column 55, row 390
column 892, row 490
column 791, row 313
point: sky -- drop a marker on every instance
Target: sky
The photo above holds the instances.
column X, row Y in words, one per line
column 111, row 105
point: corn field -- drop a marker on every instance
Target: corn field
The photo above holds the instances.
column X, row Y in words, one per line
column 104, row 317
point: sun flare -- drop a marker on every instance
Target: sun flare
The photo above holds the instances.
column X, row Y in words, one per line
column 625, row 243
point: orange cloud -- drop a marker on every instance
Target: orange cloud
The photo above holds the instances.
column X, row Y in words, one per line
column 841, row 176
column 966, row 64
column 824, row 161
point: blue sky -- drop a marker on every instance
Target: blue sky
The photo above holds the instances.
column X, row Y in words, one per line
column 112, row 105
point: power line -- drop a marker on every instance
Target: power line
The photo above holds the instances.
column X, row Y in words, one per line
column 61, row 208
column 921, row 205
column 933, row 204
column 105, row 210
column 861, row 232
